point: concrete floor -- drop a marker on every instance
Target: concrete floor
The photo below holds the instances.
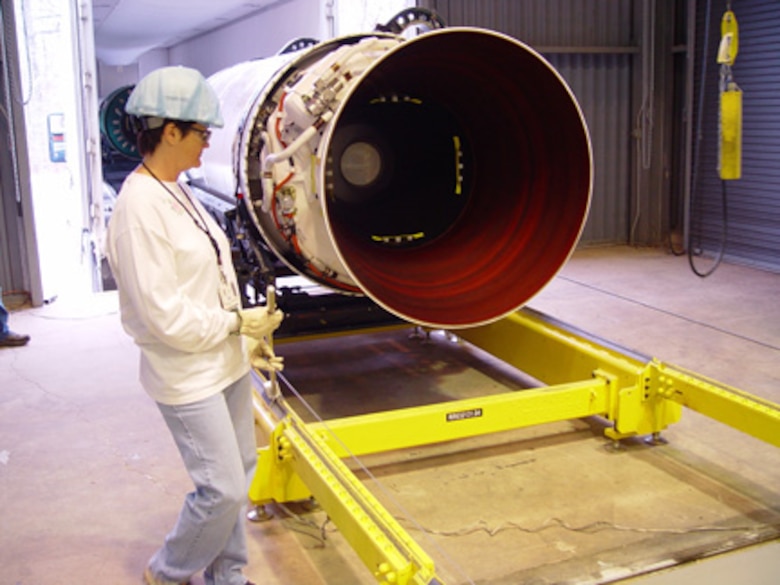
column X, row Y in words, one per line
column 90, row 480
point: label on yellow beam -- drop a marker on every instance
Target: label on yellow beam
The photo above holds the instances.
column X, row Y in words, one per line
column 464, row 414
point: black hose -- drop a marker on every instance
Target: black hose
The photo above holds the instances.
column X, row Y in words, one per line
column 695, row 170
column 724, row 234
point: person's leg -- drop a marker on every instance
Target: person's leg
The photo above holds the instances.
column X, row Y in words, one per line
column 3, row 317
column 226, row 568
column 7, row 337
column 204, row 434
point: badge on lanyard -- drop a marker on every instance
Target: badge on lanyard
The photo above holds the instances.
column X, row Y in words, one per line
column 228, row 291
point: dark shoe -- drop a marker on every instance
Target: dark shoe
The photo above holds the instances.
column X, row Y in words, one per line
column 14, row 340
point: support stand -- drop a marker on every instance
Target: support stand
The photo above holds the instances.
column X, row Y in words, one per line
column 585, row 377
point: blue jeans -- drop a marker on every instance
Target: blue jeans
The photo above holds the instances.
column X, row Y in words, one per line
column 3, row 317
column 216, row 439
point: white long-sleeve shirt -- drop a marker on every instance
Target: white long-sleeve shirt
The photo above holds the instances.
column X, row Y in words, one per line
column 168, row 279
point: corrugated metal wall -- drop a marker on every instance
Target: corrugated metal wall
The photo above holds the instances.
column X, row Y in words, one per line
column 753, row 202
column 594, row 47
column 598, row 81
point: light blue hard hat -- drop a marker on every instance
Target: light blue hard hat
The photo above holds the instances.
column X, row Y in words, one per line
column 176, row 93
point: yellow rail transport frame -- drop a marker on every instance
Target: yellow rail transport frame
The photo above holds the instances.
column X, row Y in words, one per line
column 583, row 376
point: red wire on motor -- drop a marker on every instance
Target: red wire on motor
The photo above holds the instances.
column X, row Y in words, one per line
column 279, row 121
column 296, row 246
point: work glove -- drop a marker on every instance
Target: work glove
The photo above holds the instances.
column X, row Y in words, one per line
column 257, row 322
column 264, row 358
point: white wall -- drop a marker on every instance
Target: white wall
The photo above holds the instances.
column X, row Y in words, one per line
column 112, row 77
column 258, row 36
column 154, row 60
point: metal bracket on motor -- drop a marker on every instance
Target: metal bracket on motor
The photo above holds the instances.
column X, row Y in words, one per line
column 406, row 18
column 297, row 45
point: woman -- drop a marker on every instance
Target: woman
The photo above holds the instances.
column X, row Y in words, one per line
column 179, row 301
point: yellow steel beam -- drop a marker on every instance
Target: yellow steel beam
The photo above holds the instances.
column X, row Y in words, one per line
column 377, row 538
column 645, row 394
column 458, row 419
column 298, row 454
column 552, row 352
column 750, row 414
column 556, row 354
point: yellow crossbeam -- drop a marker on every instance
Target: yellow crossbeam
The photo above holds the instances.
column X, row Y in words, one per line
column 459, row 419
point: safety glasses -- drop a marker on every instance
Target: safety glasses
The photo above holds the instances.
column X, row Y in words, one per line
column 204, row 133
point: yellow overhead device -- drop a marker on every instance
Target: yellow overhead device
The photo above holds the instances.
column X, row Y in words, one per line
column 730, row 146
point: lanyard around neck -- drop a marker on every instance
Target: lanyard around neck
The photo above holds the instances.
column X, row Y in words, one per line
column 202, row 226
